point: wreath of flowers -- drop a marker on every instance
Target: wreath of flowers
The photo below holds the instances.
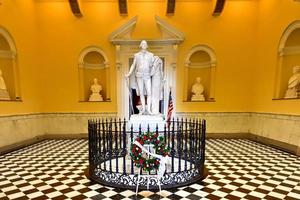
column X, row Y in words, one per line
column 148, row 164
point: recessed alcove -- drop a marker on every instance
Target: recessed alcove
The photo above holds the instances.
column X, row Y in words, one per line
column 8, row 65
column 93, row 64
column 288, row 57
column 200, row 62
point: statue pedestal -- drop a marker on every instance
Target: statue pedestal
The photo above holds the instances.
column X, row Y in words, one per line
column 198, row 98
column 145, row 120
column 4, row 95
column 95, row 97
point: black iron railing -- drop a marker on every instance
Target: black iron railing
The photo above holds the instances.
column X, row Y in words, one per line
column 110, row 162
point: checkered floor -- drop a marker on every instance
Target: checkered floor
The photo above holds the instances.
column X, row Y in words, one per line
column 239, row 169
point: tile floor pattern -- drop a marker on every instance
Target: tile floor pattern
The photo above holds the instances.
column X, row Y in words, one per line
column 239, row 169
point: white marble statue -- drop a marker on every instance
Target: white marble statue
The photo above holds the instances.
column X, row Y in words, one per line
column 141, row 67
column 96, row 88
column 293, row 90
column 157, row 84
column 197, row 91
column 3, row 90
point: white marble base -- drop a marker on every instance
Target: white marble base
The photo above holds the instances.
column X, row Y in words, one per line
column 291, row 93
column 145, row 120
column 198, row 98
column 96, row 97
column 4, row 95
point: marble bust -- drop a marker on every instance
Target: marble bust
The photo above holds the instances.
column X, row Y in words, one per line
column 96, row 88
column 197, row 91
column 293, row 90
column 3, row 90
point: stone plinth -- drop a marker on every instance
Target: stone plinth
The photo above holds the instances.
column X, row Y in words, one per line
column 4, row 95
column 198, row 98
column 144, row 120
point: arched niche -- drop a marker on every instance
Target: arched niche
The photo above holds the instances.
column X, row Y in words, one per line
column 8, row 64
column 288, row 57
column 93, row 63
column 200, row 62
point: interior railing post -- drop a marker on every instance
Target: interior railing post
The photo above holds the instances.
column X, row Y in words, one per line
column 116, row 146
column 179, row 133
column 131, row 141
column 124, row 147
column 110, row 146
column 173, row 150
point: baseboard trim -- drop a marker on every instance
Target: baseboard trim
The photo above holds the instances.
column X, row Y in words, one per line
column 290, row 148
column 228, row 135
column 66, row 136
column 293, row 149
column 19, row 145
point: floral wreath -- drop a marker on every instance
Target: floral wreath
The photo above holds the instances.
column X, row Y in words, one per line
column 148, row 164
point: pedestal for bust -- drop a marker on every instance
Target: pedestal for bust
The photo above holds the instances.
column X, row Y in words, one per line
column 198, row 98
column 4, row 95
column 96, row 97
column 143, row 120
column 291, row 93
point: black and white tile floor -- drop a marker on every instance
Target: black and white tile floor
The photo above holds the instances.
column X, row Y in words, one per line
column 239, row 169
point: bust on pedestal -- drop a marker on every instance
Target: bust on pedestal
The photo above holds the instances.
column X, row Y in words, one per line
column 96, row 88
column 3, row 91
column 197, row 91
column 293, row 90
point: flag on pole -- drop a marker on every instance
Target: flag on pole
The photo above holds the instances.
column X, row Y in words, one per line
column 170, row 108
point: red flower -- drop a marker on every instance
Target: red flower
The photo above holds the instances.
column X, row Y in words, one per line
column 155, row 135
column 141, row 161
column 145, row 137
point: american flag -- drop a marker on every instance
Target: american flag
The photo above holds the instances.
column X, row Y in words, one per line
column 170, row 109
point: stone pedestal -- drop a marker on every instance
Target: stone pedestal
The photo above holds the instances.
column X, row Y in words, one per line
column 95, row 97
column 144, row 120
column 4, row 95
column 198, row 98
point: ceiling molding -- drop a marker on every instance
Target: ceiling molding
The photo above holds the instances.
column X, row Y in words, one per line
column 219, row 7
column 171, row 7
column 75, row 8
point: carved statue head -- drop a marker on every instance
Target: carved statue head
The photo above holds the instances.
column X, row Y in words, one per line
column 143, row 44
column 296, row 69
column 198, row 80
column 95, row 81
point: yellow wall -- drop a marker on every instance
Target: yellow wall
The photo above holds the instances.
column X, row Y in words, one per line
column 273, row 18
column 49, row 40
column 18, row 17
column 62, row 36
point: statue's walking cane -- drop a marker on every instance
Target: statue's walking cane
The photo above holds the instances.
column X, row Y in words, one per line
column 130, row 93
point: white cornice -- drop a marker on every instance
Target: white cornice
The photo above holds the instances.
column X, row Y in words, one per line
column 93, row 66
column 7, row 54
column 292, row 50
column 199, row 65
column 122, row 35
column 126, row 28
